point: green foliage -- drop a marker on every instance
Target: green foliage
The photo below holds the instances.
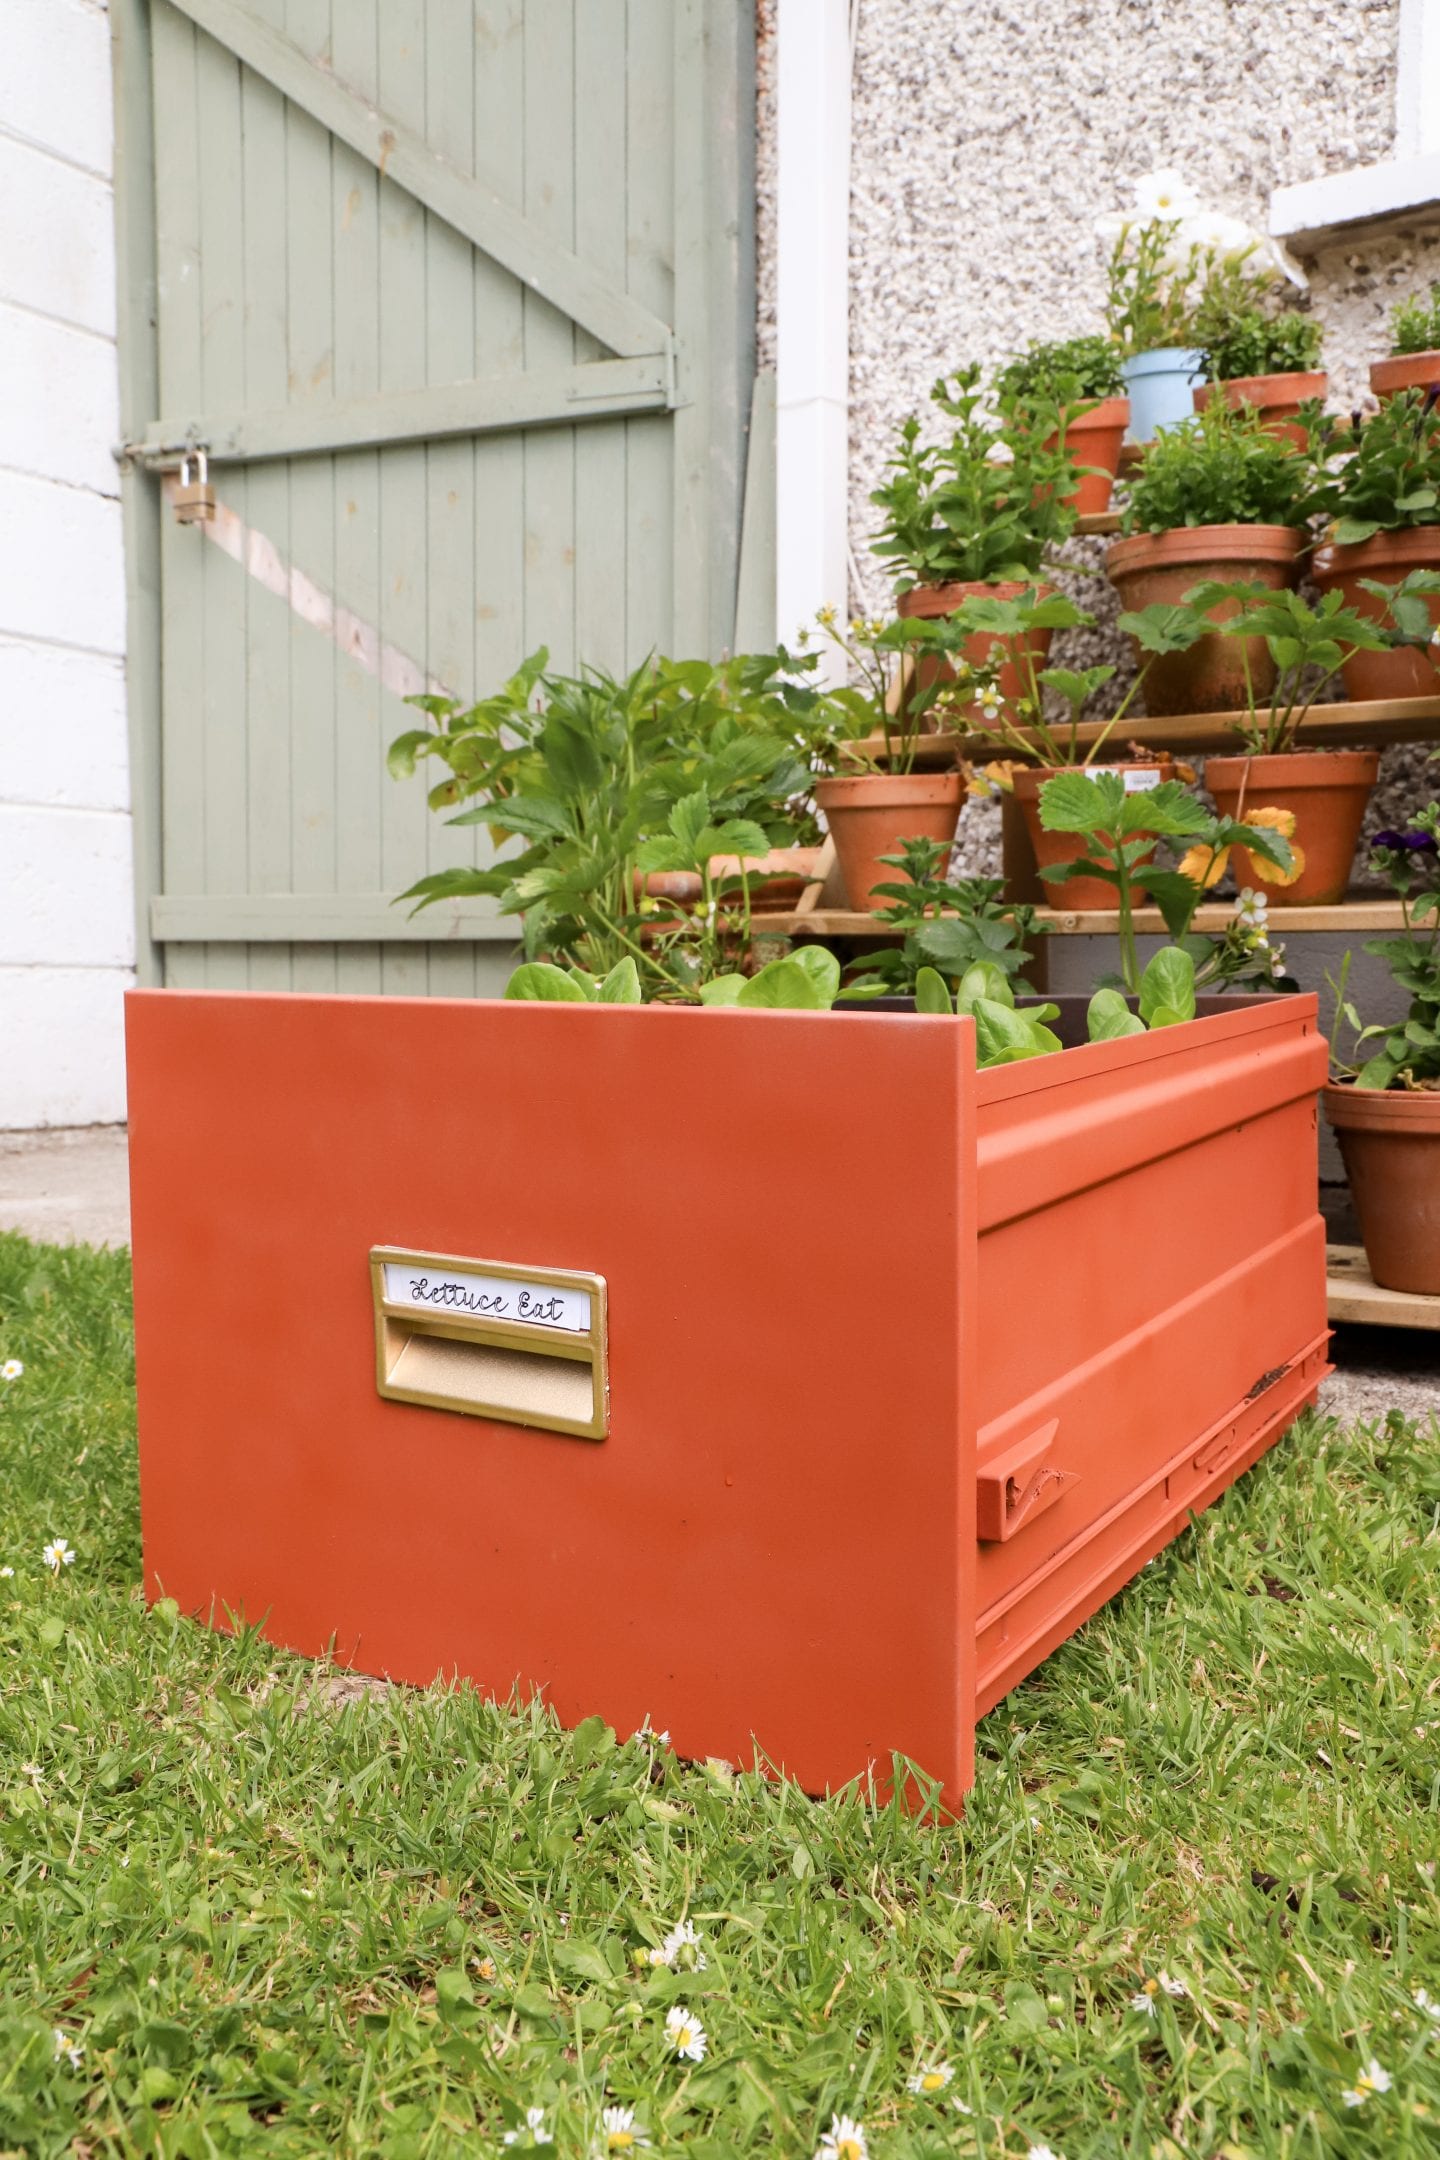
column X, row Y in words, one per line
column 1308, row 642
column 947, row 927
column 805, row 980
column 1109, row 1017
column 1415, row 323
column 983, row 505
column 1391, row 480
column 1149, row 300
column 541, row 982
column 603, row 779
column 1222, row 468
column 1405, row 1053
column 282, row 1914
column 1251, row 342
column 1067, row 370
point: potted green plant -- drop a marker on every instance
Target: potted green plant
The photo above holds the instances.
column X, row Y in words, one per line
column 1217, row 497
column 944, row 926
column 1384, row 499
column 1269, row 361
column 978, row 511
column 1083, row 377
column 1386, row 1111
column 1324, row 791
column 1413, row 362
column 1031, row 730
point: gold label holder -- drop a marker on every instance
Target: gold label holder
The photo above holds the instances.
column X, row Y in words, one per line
column 523, row 1345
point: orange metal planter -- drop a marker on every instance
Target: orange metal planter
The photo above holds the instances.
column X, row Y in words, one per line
column 826, row 1507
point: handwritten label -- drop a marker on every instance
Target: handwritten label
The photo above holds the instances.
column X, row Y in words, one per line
column 1135, row 781
column 486, row 1297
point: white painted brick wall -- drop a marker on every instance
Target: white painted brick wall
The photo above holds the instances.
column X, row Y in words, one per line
column 66, row 885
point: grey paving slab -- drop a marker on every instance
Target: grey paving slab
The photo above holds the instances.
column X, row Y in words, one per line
column 67, row 1185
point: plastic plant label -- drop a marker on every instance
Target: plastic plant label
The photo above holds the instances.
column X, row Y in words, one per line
column 1135, row 780
column 440, row 1291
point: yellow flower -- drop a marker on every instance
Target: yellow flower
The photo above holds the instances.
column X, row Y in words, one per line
column 1206, row 866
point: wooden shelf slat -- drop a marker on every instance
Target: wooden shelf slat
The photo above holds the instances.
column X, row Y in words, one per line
column 1355, row 1295
column 1350, row 916
column 1379, row 720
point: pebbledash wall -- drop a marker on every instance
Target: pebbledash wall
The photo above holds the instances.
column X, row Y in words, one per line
column 987, row 135
column 66, row 900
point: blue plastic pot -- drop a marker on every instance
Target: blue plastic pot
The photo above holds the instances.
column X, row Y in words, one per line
column 1158, row 385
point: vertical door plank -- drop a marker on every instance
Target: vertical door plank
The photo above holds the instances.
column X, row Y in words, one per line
column 549, row 168
column 264, row 333
column 311, row 381
column 649, row 461
column 360, row 776
column 692, row 541
column 601, row 151
column 222, row 688
column 182, row 619
column 499, row 349
column 404, row 564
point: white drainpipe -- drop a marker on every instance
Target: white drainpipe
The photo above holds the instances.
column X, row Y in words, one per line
column 812, row 387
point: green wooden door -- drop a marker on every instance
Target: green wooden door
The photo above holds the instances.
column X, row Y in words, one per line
column 458, row 295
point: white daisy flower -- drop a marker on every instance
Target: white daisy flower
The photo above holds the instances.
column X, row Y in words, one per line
column 1372, row 2079
column 57, row 1554
column 534, row 2129
column 1229, row 238
column 962, row 2107
column 1171, row 1986
column 1426, row 2002
column 66, row 2049
column 930, row 2078
column 619, row 2131
column 1144, row 2003
column 11, row 1369
column 685, row 2034
column 844, row 2140
column 681, row 1947
column 6, row 1573
column 1042, row 2152
column 1165, row 196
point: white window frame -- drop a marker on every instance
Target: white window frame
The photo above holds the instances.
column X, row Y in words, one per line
column 1402, row 191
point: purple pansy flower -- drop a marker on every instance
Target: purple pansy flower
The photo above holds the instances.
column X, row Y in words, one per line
column 1419, row 843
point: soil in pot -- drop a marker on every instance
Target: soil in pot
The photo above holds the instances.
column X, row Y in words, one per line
column 1080, row 893
column 1327, row 790
column 1390, row 1139
column 1147, row 567
column 869, row 814
column 1093, row 439
column 1404, row 371
column 1388, row 557
column 928, row 602
column 1277, row 399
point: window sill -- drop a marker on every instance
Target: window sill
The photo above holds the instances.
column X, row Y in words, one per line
column 1365, row 202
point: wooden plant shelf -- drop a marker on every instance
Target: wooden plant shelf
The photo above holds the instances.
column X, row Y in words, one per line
column 1379, row 720
column 1350, row 916
column 1354, row 1295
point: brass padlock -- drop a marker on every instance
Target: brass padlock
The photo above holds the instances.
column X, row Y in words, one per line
column 194, row 499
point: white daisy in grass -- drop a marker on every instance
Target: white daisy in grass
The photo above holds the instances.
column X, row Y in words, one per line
column 1372, row 2079
column 66, row 2049
column 534, row 2129
column 12, row 1369
column 1173, row 1986
column 1144, row 2002
column 58, row 1554
column 681, row 1947
column 619, row 2131
column 929, row 2078
column 685, row 2033
column 6, row 1573
column 1426, row 2002
column 1042, row 2152
column 844, row 2140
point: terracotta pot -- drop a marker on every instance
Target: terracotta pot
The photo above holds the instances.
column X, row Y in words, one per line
column 777, row 879
column 682, row 888
column 1164, row 566
column 1326, row 789
column 1277, row 398
column 1404, row 371
column 1080, row 893
column 1405, row 672
column 929, row 602
column 1093, row 438
column 869, row 814
column 1390, row 1139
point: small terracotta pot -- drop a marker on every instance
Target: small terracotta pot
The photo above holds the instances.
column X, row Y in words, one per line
column 1093, row 438
column 1390, row 1139
column 1404, row 371
column 681, row 887
column 777, row 879
column 1326, row 789
column 928, row 602
column 869, row 814
column 1164, row 566
column 1405, row 672
column 1080, row 893
column 1277, row 399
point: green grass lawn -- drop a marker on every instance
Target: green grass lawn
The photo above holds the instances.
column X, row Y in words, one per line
column 260, row 1919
